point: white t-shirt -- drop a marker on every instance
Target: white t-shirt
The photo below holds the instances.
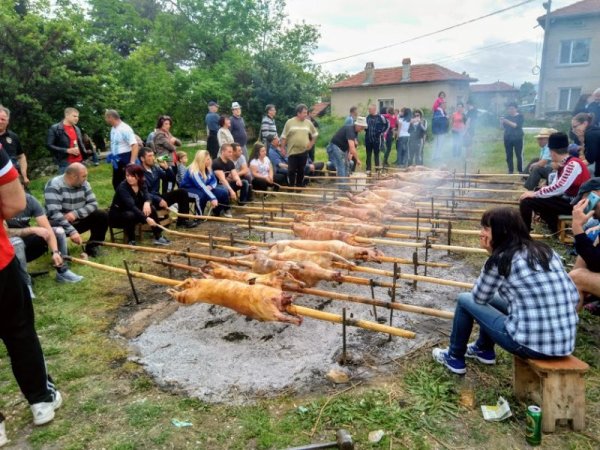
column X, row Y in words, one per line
column 262, row 167
column 403, row 128
column 121, row 139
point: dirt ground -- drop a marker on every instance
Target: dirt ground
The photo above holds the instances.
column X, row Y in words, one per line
column 217, row 355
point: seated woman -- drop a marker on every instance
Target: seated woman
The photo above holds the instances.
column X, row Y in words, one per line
column 260, row 166
column 201, row 184
column 132, row 204
column 523, row 300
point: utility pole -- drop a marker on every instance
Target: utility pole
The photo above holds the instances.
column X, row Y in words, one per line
column 541, row 96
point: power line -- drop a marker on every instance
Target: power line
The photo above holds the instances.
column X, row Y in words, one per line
column 468, row 53
column 427, row 34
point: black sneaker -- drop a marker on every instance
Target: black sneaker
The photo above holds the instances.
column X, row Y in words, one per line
column 187, row 224
column 93, row 252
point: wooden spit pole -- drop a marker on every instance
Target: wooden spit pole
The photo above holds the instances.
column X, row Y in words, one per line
column 292, row 309
column 392, row 259
column 289, row 220
column 338, row 296
column 348, row 279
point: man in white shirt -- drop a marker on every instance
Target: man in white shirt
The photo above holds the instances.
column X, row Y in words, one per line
column 123, row 146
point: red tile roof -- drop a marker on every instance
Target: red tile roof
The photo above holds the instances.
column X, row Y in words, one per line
column 498, row 86
column 576, row 9
column 419, row 73
column 319, row 108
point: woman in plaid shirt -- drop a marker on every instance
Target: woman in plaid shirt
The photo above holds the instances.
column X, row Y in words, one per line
column 523, row 300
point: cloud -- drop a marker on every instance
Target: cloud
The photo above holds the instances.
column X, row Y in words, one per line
column 502, row 47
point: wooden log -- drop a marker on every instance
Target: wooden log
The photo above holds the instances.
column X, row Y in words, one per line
column 364, row 324
column 292, row 309
column 338, row 296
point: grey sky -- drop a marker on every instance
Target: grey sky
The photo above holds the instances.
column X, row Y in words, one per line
column 504, row 47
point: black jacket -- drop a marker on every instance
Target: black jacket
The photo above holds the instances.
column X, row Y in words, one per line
column 126, row 199
column 58, row 142
column 592, row 148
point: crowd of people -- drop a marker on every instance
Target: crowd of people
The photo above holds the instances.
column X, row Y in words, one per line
column 151, row 176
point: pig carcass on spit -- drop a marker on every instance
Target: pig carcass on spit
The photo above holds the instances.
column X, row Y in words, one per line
column 365, row 215
column 322, row 258
column 357, row 228
column 341, row 248
column 306, row 271
column 316, row 217
column 322, row 234
column 277, row 279
column 425, row 177
column 257, row 301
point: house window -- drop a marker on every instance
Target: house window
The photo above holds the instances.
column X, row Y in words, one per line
column 567, row 98
column 575, row 51
column 386, row 103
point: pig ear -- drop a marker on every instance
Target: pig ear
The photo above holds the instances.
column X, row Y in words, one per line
column 252, row 281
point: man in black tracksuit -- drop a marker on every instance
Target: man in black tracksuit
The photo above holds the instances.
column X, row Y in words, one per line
column 377, row 125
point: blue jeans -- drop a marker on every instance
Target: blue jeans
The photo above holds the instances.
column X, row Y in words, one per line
column 339, row 159
column 491, row 318
column 402, row 150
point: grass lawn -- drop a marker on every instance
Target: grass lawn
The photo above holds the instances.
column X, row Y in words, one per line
column 111, row 403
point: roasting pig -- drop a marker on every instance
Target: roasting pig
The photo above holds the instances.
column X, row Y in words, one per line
column 277, row 279
column 257, row 301
column 338, row 247
column 322, row 258
column 322, row 234
column 357, row 228
column 306, row 271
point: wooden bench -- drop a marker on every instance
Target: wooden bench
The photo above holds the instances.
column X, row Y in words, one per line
column 556, row 385
column 163, row 219
column 564, row 226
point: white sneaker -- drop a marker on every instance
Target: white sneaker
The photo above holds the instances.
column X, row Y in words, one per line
column 3, row 438
column 43, row 412
column 227, row 214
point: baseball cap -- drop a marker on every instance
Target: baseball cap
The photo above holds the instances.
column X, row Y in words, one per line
column 212, row 103
column 235, row 105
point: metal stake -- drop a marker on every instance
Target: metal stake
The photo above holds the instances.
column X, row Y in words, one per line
column 232, row 241
column 249, row 227
column 170, row 268
column 415, row 264
column 372, row 285
column 271, row 221
column 137, row 300
column 418, row 221
column 211, row 244
column 427, row 246
column 449, row 234
column 393, row 295
column 343, row 362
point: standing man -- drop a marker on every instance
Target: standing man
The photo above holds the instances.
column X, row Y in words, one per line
column 224, row 169
column 298, row 136
column 513, row 137
column 594, row 108
column 342, row 147
column 377, row 126
column 238, row 128
column 17, row 328
column 268, row 127
column 64, row 140
column 153, row 175
column 72, row 205
column 212, row 128
column 123, row 146
column 555, row 199
column 9, row 141
column 352, row 117
column 540, row 168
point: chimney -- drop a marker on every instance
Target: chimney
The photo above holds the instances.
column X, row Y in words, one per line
column 406, row 69
column 369, row 73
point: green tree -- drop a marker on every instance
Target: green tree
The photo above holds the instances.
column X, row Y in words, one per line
column 527, row 93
